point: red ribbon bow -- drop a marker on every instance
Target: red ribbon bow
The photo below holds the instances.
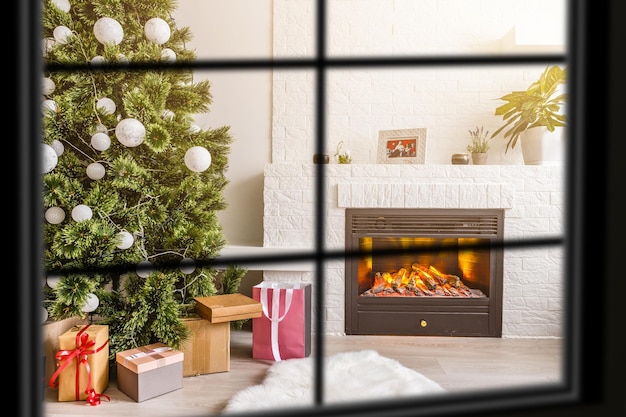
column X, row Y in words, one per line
column 80, row 353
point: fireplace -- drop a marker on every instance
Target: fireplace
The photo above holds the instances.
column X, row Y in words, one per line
column 431, row 272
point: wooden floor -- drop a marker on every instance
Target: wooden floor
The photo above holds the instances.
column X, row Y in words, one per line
column 459, row 364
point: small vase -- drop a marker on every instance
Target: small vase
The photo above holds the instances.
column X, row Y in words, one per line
column 479, row 158
column 460, row 159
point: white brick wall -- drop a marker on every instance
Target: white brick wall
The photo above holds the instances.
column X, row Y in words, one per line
column 447, row 102
column 530, row 195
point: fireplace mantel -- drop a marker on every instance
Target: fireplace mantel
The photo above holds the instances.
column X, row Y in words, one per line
column 531, row 196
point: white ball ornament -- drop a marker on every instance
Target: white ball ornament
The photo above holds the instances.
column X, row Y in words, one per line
column 58, row 147
column 46, row 45
column 106, row 105
column 108, row 31
column 100, row 141
column 167, row 114
column 157, row 30
column 122, row 59
column 95, row 171
column 63, row 5
column 130, row 132
column 62, row 34
column 144, row 269
column 125, row 240
column 44, row 314
column 47, row 86
column 98, row 60
column 100, row 128
column 197, row 159
column 53, row 280
column 168, row 55
column 81, row 213
column 49, row 106
column 49, row 158
column 187, row 266
column 194, row 128
column 91, row 303
column 55, row 215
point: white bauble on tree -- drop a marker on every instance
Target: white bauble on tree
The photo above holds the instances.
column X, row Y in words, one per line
column 62, row 34
column 157, row 30
column 168, row 55
column 144, row 269
column 47, row 86
column 100, row 141
column 91, row 303
column 53, row 280
column 130, row 132
column 167, row 114
column 197, row 159
column 46, row 45
column 106, row 105
column 58, row 147
column 194, row 128
column 49, row 106
column 98, row 60
column 125, row 240
column 100, row 128
column 44, row 314
column 81, row 213
column 95, row 171
column 49, row 158
column 187, row 266
column 55, row 215
column 63, row 5
column 108, row 31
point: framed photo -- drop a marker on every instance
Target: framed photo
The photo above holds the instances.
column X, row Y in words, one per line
column 403, row 146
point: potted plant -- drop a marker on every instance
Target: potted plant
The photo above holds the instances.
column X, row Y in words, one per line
column 535, row 112
column 479, row 145
column 343, row 157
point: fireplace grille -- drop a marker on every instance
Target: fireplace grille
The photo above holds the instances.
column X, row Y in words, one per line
column 480, row 267
column 426, row 224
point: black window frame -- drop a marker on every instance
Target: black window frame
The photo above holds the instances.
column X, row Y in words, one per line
column 592, row 177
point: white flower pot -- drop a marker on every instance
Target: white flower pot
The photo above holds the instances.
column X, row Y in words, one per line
column 542, row 147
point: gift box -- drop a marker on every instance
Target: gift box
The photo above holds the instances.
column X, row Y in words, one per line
column 82, row 363
column 284, row 329
column 149, row 371
column 227, row 307
column 207, row 351
column 50, row 332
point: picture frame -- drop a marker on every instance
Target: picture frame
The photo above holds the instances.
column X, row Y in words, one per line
column 402, row 146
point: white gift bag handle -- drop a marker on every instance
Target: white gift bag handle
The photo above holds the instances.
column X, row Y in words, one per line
column 275, row 316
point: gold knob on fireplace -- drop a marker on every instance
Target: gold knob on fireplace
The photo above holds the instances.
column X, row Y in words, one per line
column 423, row 323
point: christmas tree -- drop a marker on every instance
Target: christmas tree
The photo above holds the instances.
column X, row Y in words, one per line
column 131, row 186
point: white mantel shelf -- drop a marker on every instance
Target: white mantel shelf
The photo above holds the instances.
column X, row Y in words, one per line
column 258, row 252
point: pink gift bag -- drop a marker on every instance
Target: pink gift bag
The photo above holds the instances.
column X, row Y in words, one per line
column 284, row 329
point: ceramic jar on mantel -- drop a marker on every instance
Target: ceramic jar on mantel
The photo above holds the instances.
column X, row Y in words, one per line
column 460, row 159
column 479, row 158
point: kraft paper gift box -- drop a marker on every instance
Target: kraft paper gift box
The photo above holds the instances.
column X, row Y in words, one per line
column 227, row 307
column 50, row 332
column 208, row 349
column 77, row 381
column 149, row 371
column 284, row 329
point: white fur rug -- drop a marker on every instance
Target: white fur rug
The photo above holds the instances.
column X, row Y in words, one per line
column 348, row 376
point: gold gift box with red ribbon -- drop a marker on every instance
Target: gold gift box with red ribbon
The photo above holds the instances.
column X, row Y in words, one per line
column 82, row 364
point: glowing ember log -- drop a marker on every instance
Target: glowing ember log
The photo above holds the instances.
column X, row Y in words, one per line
column 422, row 281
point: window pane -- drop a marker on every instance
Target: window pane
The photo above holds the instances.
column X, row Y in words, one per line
column 434, row 27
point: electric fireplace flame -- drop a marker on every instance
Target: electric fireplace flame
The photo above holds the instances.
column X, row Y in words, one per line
column 420, row 281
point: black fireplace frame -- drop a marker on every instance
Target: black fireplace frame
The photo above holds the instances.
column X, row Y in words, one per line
column 426, row 316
